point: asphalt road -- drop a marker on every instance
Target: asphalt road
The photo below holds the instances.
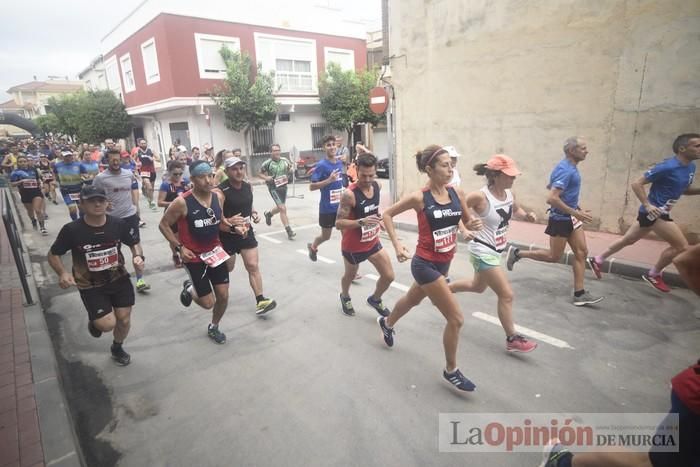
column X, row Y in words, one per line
column 310, row 387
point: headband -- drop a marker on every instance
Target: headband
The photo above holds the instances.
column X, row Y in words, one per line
column 437, row 151
column 200, row 168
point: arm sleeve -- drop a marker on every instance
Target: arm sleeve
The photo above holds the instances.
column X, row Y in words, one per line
column 63, row 242
column 164, row 186
column 656, row 171
column 561, row 179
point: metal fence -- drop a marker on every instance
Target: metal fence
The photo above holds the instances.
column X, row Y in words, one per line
column 318, row 131
column 15, row 241
column 262, row 139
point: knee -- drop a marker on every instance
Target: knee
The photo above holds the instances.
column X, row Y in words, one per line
column 456, row 320
column 221, row 296
column 207, row 302
column 105, row 324
column 389, row 276
column 506, row 297
column 252, row 268
column 282, row 208
column 581, row 252
column 124, row 320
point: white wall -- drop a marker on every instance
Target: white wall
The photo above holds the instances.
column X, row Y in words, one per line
column 297, row 132
column 379, row 143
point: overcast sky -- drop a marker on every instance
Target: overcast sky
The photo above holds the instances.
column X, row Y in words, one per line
column 47, row 37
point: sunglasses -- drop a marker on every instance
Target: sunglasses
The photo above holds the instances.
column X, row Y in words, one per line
column 176, row 174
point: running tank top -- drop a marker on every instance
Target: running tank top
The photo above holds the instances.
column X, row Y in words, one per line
column 364, row 238
column 492, row 237
column 437, row 227
column 199, row 230
column 238, row 201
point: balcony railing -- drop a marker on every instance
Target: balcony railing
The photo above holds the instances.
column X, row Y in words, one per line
column 294, row 82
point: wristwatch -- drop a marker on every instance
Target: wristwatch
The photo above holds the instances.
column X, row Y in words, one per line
column 178, row 248
column 143, row 258
column 361, row 222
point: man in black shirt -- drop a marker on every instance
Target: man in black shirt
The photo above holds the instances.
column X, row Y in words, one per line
column 98, row 267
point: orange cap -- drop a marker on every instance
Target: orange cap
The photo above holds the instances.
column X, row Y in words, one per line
column 504, row 164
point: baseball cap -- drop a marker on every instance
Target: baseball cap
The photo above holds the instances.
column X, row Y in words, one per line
column 124, row 154
column 207, row 146
column 504, row 164
column 91, row 191
column 66, row 152
column 451, row 151
column 231, row 161
column 182, row 148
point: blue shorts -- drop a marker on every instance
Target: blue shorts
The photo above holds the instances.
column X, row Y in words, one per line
column 357, row 258
column 425, row 272
column 688, row 448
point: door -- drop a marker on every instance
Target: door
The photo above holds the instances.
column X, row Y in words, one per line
column 180, row 134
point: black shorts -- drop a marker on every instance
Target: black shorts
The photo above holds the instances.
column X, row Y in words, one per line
column 233, row 244
column 279, row 195
column 644, row 222
column 100, row 301
column 28, row 195
column 132, row 223
column 203, row 277
column 326, row 221
column 425, row 272
column 559, row 227
column 151, row 176
column 688, row 448
column 357, row 258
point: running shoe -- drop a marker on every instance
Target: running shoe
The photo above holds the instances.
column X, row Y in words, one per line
column 586, row 299
column 141, row 285
column 142, row 223
column 216, row 335
column 657, row 282
column 290, row 233
column 120, row 356
column 264, row 306
column 595, row 267
column 185, row 295
column 312, row 253
column 458, row 380
column 94, row 332
column 177, row 262
column 268, row 217
column 152, row 205
column 512, row 257
column 555, row 452
column 43, row 231
column 46, row 217
column 35, row 225
column 378, row 305
column 518, row 343
column 54, row 202
column 346, row 304
column 387, row 332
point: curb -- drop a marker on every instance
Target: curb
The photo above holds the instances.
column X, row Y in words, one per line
column 611, row 266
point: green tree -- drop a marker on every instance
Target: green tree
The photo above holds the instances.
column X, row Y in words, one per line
column 48, row 123
column 246, row 99
column 344, row 98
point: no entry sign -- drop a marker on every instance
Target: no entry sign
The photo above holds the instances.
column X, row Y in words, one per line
column 378, row 100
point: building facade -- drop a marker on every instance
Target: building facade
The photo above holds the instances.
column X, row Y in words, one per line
column 520, row 77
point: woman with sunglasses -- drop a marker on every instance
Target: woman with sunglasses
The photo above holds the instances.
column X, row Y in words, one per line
column 439, row 209
column 169, row 190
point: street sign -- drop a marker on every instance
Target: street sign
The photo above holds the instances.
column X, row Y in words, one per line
column 378, row 100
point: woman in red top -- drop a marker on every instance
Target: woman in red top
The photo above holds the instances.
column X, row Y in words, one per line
column 439, row 209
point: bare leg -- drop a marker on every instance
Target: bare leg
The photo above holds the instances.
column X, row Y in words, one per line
column 498, row 282
column 445, row 301
column 250, row 260
column 283, row 215
column 633, row 234
column 106, row 323
column 348, row 276
column 671, row 233
column 121, row 330
column 382, row 263
column 325, row 236
column 577, row 242
column 413, row 297
column 556, row 249
column 221, row 293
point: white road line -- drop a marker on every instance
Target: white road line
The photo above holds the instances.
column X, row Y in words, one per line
column 529, row 332
column 272, row 240
column 394, row 284
column 319, row 257
column 302, row 227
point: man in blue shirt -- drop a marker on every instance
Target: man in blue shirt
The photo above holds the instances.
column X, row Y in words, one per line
column 70, row 180
column 670, row 179
column 327, row 178
column 565, row 220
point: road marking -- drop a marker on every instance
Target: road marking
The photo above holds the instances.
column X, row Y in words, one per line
column 394, row 284
column 319, row 257
column 529, row 332
column 303, row 227
column 272, row 240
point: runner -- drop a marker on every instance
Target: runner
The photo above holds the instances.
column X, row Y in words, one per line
column 88, row 168
column 237, row 198
column 342, row 154
column 27, row 179
column 169, row 190
column 327, row 178
column 439, row 209
column 359, row 220
column 454, row 155
column 495, row 205
column 669, row 179
column 566, row 220
column 122, row 196
column 198, row 216
column 276, row 172
column 48, row 180
column 68, row 176
column 98, row 268
column 146, row 157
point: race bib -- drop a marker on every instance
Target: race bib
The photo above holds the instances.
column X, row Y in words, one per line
column 74, row 196
column 280, row 181
column 501, row 238
column 100, row 260
column 669, row 205
column 369, row 232
column 335, row 196
column 445, row 239
column 145, row 174
column 30, row 183
column 214, row 257
column 576, row 223
column 47, row 177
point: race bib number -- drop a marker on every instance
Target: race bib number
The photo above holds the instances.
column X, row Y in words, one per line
column 47, row 177
column 445, row 239
column 280, row 181
column 335, row 196
column 669, row 205
column 101, row 260
column 30, row 183
column 145, row 174
column 214, row 257
column 501, row 238
column 369, row 232
column 576, row 223
column 74, row 196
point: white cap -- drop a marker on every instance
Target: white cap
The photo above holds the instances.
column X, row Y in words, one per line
column 231, row 161
column 182, row 148
column 451, row 151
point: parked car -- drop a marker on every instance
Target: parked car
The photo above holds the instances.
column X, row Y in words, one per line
column 383, row 168
column 307, row 162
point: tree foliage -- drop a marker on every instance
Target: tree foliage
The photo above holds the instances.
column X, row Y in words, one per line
column 88, row 116
column 344, row 97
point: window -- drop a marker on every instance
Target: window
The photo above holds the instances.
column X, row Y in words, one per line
column 343, row 57
column 127, row 73
column 88, row 85
column 112, row 73
column 150, row 61
column 262, row 140
column 211, row 65
column 318, row 131
column 284, row 118
column 293, row 61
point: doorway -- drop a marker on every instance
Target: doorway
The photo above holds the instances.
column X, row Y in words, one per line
column 180, row 131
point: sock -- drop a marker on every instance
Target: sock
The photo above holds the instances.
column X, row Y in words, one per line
column 654, row 272
column 287, row 228
column 74, row 215
column 139, row 276
column 116, row 345
column 190, row 290
column 600, row 259
column 213, row 326
column 510, row 338
column 578, row 293
column 259, row 298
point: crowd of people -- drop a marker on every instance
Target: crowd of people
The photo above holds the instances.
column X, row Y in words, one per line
column 209, row 219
